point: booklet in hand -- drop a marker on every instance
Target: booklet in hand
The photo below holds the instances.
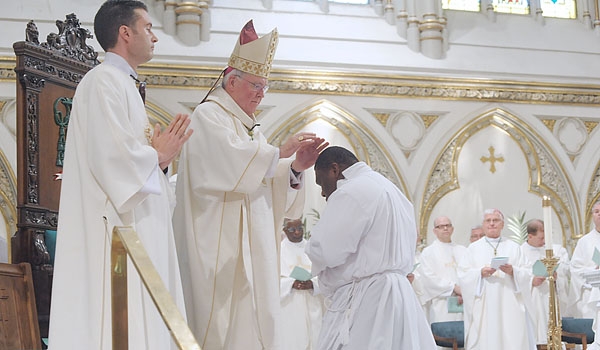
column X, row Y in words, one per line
column 300, row 274
column 453, row 306
column 540, row 270
column 498, row 261
column 596, row 257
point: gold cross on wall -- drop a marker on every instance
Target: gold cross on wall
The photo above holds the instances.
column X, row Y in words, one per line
column 492, row 159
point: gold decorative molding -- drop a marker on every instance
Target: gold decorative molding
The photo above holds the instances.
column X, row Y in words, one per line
column 549, row 123
column 590, row 126
column 382, row 117
column 170, row 76
column 429, row 119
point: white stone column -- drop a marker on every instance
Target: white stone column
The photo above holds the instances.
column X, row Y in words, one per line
column 388, row 12
column 205, row 21
column 268, row 4
column 324, row 6
column 169, row 17
column 489, row 10
column 401, row 18
column 586, row 16
column 431, row 36
column 378, row 7
column 445, row 34
column 413, row 36
column 188, row 22
column 159, row 7
column 537, row 12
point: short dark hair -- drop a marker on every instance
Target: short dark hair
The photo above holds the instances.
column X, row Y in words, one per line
column 111, row 16
column 335, row 154
column 533, row 226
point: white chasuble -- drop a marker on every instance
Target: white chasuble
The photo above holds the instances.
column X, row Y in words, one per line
column 537, row 297
column 108, row 160
column 227, row 224
column 494, row 313
column 437, row 278
column 302, row 310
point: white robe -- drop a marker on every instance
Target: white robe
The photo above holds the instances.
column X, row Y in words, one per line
column 537, row 298
column 495, row 316
column 584, row 297
column 437, row 276
column 362, row 265
column 302, row 309
column 108, row 161
column 227, row 224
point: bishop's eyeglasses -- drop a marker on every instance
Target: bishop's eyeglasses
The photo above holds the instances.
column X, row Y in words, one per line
column 255, row 86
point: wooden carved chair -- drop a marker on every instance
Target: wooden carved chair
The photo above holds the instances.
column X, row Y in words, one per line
column 47, row 75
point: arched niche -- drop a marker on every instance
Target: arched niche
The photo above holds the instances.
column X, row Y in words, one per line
column 463, row 182
column 340, row 128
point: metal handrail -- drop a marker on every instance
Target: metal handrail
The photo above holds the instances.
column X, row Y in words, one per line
column 125, row 241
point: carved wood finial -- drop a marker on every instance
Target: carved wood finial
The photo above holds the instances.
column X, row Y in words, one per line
column 70, row 40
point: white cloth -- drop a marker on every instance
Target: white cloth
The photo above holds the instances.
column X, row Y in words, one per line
column 108, row 160
column 495, row 316
column 302, row 309
column 537, row 298
column 437, row 276
column 227, row 223
column 362, row 265
column 585, row 298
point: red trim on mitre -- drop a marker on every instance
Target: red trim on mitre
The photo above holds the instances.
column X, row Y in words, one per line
column 247, row 34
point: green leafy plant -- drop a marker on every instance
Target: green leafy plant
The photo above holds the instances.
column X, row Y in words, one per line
column 316, row 215
column 518, row 227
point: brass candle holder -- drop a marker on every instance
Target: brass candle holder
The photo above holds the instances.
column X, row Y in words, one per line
column 554, row 320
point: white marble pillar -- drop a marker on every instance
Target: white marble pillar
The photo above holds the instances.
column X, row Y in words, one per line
column 401, row 18
column 431, row 36
column 169, row 17
column 188, row 22
column 586, row 15
column 413, row 36
column 378, row 7
column 268, row 4
column 159, row 8
column 445, row 34
column 489, row 9
column 205, row 21
column 324, row 6
column 388, row 12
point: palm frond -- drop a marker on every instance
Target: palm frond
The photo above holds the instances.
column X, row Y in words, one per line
column 517, row 225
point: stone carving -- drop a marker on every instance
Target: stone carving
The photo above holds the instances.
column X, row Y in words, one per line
column 31, row 33
column 41, row 256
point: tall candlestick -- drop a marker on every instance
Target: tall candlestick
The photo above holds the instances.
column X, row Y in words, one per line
column 547, row 221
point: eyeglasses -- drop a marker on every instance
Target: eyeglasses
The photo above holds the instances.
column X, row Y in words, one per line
column 294, row 229
column 443, row 226
column 255, row 86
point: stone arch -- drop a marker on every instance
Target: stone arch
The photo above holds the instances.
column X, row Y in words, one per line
column 366, row 145
column 547, row 176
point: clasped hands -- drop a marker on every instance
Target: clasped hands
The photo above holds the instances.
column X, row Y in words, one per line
column 302, row 285
column 168, row 142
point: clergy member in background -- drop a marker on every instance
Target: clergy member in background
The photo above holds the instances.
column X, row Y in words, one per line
column 495, row 316
column 440, row 291
column 232, row 191
column 361, row 249
column 113, row 176
column 476, row 233
column 301, row 301
column 534, row 286
column 586, row 258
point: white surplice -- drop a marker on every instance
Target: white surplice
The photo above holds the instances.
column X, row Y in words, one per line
column 494, row 312
column 437, row 276
column 585, row 298
column 231, row 200
column 537, row 298
column 302, row 310
column 110, row 178
column 361, row 249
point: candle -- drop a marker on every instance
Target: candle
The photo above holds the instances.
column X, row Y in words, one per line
column 547, row 221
